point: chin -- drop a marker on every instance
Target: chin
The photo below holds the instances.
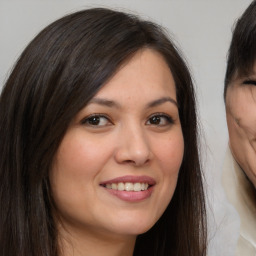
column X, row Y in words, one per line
column 135, row 227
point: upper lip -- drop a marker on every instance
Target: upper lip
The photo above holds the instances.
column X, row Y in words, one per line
column 132, row 179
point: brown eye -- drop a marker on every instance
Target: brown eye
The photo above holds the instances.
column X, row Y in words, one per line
column 96, row 120
column 160, row 120
column 155, row 120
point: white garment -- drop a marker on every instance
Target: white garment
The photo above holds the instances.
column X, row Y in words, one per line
column 242, row 195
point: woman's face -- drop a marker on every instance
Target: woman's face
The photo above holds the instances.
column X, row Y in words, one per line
column 117, row 166
column 241, row 119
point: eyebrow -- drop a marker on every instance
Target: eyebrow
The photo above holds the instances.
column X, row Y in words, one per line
column 162, row 101
column 110, row 103
column 105, row 102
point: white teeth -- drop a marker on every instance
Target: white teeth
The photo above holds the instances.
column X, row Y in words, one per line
column 137, row 187
column 109, row 186
column 128, row 186
column 120, row 186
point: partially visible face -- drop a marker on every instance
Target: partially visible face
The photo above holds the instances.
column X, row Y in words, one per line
column 241, row 119
column 117, row 166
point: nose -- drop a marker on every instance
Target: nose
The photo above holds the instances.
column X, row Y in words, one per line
column 133, row 147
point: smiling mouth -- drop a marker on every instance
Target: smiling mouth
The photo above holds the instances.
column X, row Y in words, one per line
column 127, row 186
column 130, row 188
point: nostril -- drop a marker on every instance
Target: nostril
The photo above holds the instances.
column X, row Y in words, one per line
column 134, row 150
column 129, row 161
column 137, row 162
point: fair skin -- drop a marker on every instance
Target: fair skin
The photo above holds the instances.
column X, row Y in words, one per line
column 241, row 120
column 117, row 166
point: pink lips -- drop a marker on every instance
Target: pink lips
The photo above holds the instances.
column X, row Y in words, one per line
column 131, row 196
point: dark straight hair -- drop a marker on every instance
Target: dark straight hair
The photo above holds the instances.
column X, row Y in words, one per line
column 55, row 77
column 242, row 51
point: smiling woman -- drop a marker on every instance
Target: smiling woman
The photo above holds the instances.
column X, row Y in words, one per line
column 132, row 139
column 99, row 143
column 239, row 175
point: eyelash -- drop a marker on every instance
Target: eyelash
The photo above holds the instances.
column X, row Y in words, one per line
column 250, row 82
column 86, row 121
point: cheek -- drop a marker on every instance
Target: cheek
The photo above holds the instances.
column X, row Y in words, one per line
column 77, row 163
column 170, row 153
column 80, row 156
column 242, row 124
column 241, row 106
column 74, row 176
column 233, row 128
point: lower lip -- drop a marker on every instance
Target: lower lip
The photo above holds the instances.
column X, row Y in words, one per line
column 131, row 196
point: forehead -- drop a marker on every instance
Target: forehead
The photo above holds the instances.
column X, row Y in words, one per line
column 146, row 72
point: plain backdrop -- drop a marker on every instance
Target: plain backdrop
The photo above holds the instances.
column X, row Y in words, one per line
column 202, row 29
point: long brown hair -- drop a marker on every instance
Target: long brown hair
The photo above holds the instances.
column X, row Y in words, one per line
column 56, row 75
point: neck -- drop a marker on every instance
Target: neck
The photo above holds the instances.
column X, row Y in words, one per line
column 96, row 243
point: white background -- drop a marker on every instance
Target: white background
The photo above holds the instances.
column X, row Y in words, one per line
column 202, row 29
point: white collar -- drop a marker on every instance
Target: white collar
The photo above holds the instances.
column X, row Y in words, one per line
column 241, row 194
